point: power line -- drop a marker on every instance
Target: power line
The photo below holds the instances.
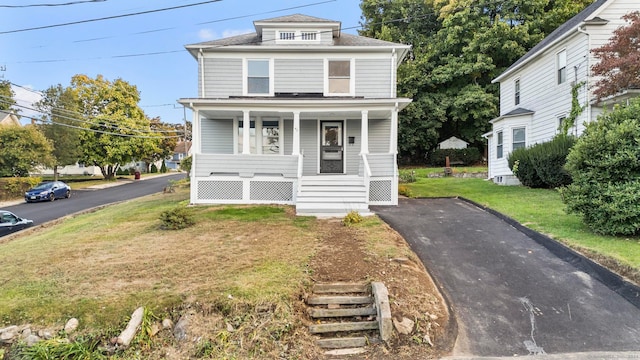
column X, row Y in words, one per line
column 107, row 18
column 98, row 131
column 51, row 5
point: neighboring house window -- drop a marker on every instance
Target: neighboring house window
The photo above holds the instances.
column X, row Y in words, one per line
column 499, row 145
column 80, row 165
column 519, row 138
column 258, row 77
column 339, row 76
column 517, row 92
column 562, row 66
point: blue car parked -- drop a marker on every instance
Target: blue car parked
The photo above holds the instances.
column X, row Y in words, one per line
column 48, row 191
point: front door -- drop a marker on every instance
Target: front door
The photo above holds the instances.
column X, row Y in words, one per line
column 331, row 147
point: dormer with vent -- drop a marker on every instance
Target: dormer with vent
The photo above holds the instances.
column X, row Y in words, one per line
column 297, row 30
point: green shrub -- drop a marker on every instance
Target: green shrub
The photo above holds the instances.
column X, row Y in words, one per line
column 163, row 167
column 542, row 165
column 177, row 218
column 605, row 166
column 407, row 176
column 467, row 156
column 523, row 167
column 353, row 217
column 154, row 169
column 185, row 164
column 14, row 187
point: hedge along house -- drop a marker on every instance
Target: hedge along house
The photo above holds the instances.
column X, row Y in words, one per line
column 296, row 113
column 535, row 92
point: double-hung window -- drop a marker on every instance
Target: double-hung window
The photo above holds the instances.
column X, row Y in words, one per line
column 258, row 77
column 517, row 92
column 562, row 66
column 519, row 138
column 339, row 77
column 499, row 142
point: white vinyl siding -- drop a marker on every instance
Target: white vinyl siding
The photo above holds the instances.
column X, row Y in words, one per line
column 223, row 78
column 352, row 152
column 373, row 78
column 298, row 75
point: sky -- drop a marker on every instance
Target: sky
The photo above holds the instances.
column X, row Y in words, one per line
column 137, row 41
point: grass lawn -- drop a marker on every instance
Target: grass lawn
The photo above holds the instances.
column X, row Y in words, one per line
column 538, row 209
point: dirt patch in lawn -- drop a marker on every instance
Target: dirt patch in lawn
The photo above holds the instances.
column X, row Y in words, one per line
column 364, row 254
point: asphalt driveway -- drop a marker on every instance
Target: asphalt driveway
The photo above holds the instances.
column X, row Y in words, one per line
column 509, row 294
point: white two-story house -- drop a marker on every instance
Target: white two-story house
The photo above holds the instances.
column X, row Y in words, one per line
column 296, row 113
column 535, row 92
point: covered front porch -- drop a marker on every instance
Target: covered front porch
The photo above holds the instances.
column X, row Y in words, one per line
column 325, row 160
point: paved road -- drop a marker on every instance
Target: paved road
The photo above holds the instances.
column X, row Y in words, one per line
column 510, row 295
column 81, row 200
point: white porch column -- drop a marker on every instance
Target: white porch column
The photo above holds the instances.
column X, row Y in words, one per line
column 296, row 133
column 246, row 128
column 364, row 133
column 195, row 130
column 393, row 142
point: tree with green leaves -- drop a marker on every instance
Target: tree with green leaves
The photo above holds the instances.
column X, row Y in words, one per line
column 116, row 130
column 60, row 123
column 458, row 48
column 23, row 150
column 168, row 142
column 6, row 96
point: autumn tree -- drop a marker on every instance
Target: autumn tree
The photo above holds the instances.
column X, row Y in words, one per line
column 619, row 65
column 116, row 130
column 60, row 123
column 23, row 150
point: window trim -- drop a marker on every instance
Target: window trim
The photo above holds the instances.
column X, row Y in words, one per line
column 352, row 80
column 245, row 77
column 561, row 70
column 499, row 144
column 516, row 91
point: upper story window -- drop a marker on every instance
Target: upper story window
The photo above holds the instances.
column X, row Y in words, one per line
column 519, row 138
column 561, row 63
column 258, row 77
column 339, row 77
column 499, row 142
column 517, row 92
column 297, row 36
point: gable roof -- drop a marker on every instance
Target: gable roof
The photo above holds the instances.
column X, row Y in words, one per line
column 558, row 34
column 296, row 18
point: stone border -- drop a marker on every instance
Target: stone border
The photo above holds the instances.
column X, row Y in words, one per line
column 381, row 297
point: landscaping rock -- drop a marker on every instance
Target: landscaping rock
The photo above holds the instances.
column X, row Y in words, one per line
column 71, row 325
column 167, row 324
column 180, row 331
column 8, row 334
column 404, row 327
column 132, row 327
column 31, row 339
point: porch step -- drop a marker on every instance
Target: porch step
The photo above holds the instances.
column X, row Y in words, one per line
column 331, row 196
column 346, row 316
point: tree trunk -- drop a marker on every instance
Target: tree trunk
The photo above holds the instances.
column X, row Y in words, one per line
column 55, row 172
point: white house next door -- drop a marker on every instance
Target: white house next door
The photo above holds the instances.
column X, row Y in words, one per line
column 331, row 147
